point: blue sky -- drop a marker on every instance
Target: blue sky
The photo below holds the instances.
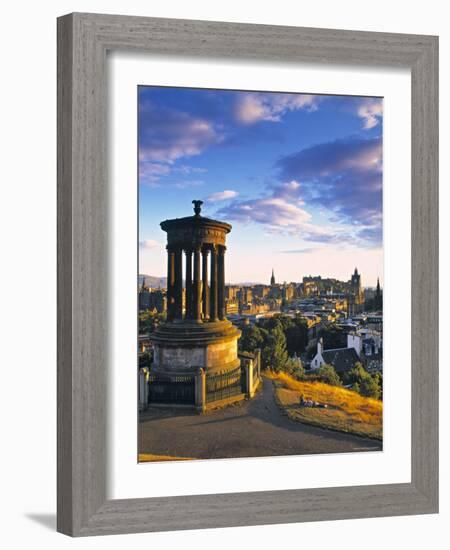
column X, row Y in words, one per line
column 298, row 176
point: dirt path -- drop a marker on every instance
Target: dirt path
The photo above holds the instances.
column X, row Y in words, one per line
column 251, row 428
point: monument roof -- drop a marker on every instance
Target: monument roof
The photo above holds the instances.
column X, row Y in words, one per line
column 195, row 221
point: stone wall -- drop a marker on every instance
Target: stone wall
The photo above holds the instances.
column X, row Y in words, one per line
column 179, row 359
column 222, row 353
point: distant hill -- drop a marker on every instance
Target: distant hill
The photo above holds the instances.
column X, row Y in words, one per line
column 154, row 282
column 244, row 284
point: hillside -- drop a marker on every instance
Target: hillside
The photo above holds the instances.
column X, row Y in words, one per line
column 154, row 282
column 346, row 411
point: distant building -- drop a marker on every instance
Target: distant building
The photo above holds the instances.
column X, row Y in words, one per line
column 231, row 306
column 375, row 322
column 231, row 292
column 272, row 279
column 245, row 295
column 355, row 300
column 363, row 345
column 152, row 299
column 341, row 359
column 378, row 299
column 260, row 291
column 288, row 292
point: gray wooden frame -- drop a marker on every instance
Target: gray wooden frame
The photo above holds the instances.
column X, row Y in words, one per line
column 83, row 41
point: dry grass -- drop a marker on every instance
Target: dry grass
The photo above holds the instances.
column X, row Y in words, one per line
column 347, row 410
column 145, row 457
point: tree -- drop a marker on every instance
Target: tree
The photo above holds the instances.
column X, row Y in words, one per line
column 378, row 376
column 355, row 375
column 296, row 336
column 363, row 382
column 274, row 354
column 369, row 387
column 149, row 320
column 252, row 337
column 295, row 368
column 328, row 375
column 276, row 320
column 333, row 337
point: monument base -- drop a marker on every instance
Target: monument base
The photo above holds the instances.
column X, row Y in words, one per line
column 188, row 346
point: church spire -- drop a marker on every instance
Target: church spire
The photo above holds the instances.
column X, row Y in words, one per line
column 272, row 279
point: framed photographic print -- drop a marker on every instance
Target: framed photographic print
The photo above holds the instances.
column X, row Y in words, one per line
column 247, row 274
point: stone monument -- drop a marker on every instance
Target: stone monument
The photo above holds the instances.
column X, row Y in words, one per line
column 197, row 334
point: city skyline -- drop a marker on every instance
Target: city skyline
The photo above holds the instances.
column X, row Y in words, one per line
column 298, row 176
column 143, row 276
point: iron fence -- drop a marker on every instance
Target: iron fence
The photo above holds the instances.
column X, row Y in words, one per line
column 225, row 384
column 163, row 388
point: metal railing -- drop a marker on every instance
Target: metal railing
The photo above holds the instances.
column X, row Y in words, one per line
column 225, row 384
column 166, row 388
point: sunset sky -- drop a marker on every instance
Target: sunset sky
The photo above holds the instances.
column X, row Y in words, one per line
column 298, row 176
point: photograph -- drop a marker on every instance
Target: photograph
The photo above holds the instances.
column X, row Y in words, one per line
column 229, row 250
column 260, row 273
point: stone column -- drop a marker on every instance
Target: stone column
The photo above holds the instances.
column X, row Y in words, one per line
column 221, row 283
column 170, row 283
column 213, row 287
column 200, row 390
column 258, row 361
column 188, row 314
column 143, row 388
column 178, row 286
column 205, row 289
column 249, row 378
column 197, row 288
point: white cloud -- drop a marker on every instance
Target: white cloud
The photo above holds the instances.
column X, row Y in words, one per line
column 371, row 111
column 149, row 244
column 251, row 108
column 152, row 174
column 300, row 251
column 222, row 195
column 278, row 215
column 283, row 213
column 167, row 135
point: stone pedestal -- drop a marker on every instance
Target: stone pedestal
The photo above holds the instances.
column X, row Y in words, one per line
column 186, row 347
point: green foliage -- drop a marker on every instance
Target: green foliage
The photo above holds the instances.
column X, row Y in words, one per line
column 276, row 320
column 369, row 387
column 149, row 320
column 328, row 375
column 333, row 337
column 274, row 354
column 296, row 336
column 378, row 376
column 252, row 337
column 295, row 368
column 363, row 382
column 295, row 330
column 356, row 374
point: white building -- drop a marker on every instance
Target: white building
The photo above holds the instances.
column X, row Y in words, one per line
column 364, row 345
